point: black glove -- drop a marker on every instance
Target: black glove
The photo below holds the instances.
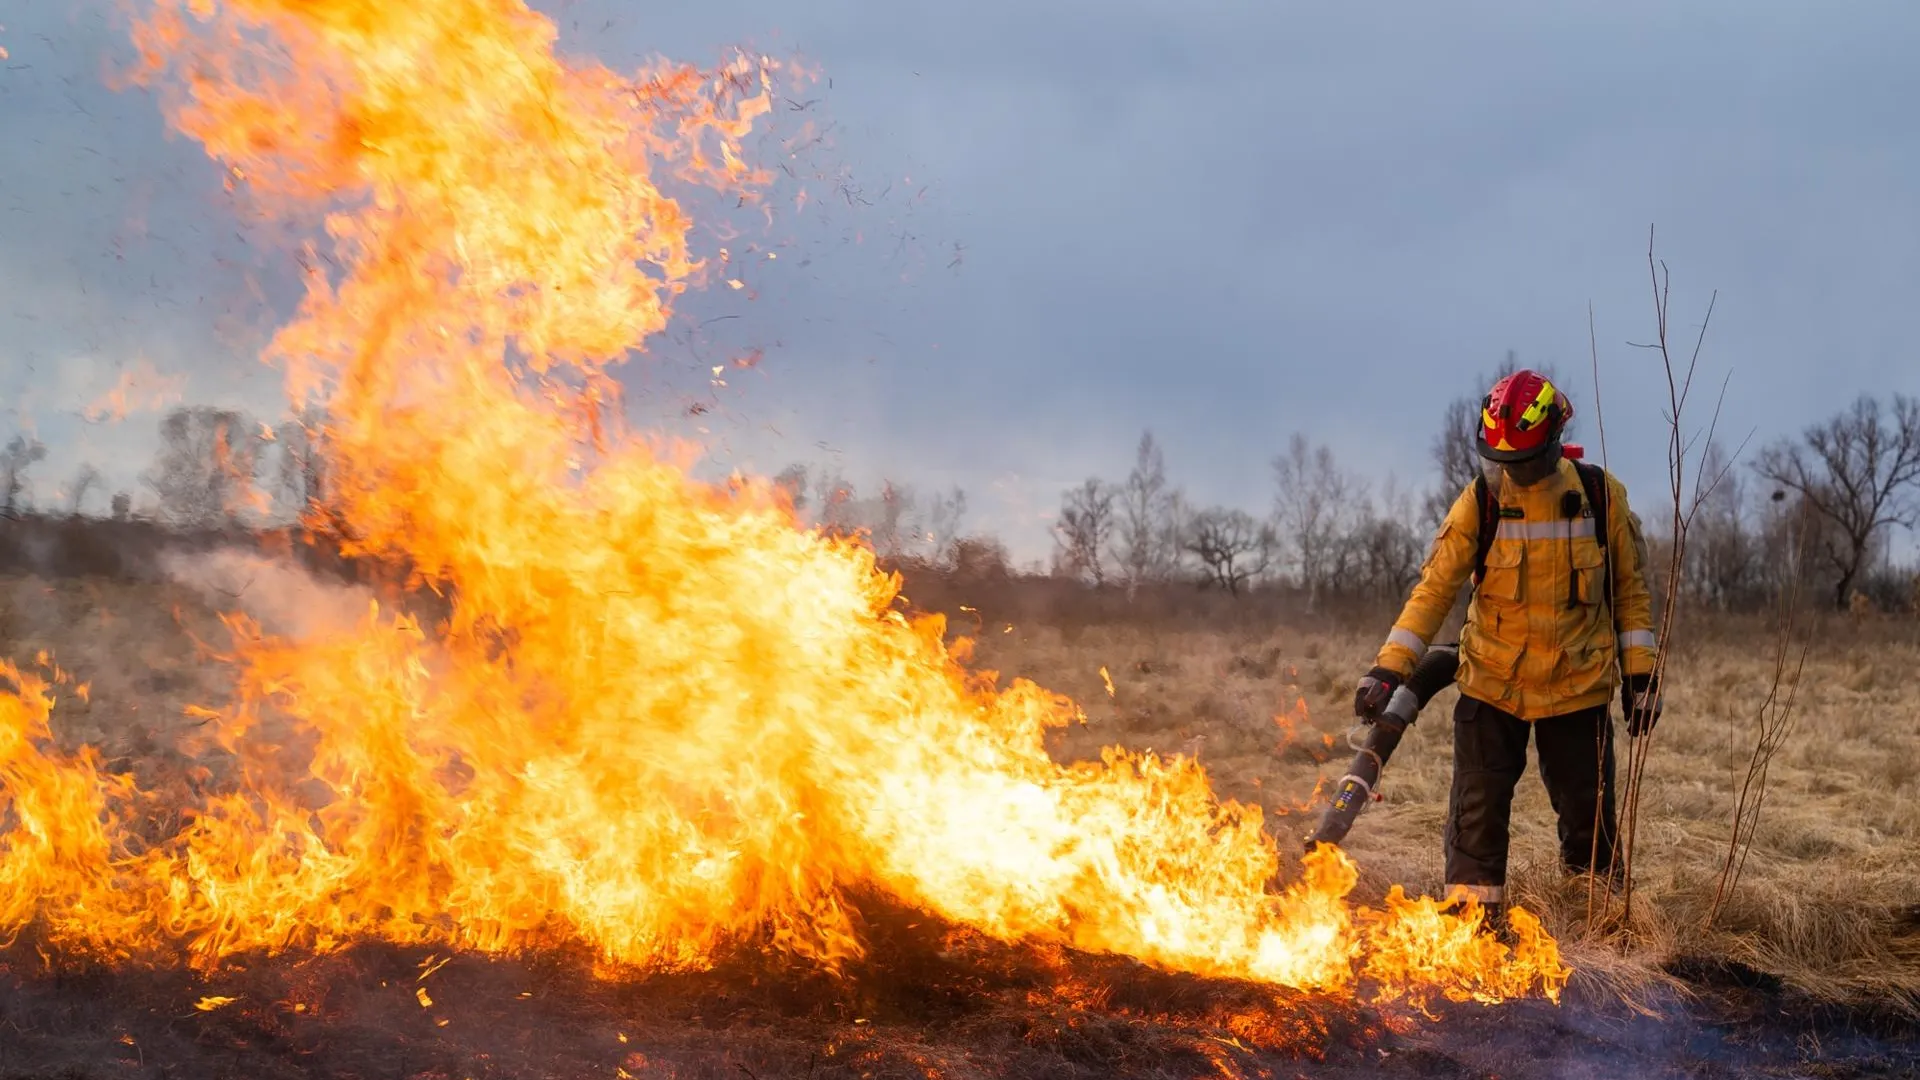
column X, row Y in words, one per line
column 1640, row 698
column 1371, row 695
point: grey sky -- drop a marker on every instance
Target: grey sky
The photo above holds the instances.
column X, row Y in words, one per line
column 1228, row 222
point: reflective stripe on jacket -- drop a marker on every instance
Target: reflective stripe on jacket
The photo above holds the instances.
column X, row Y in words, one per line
column 1538, row 640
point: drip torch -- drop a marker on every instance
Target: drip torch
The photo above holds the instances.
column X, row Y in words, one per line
column 1431, row 675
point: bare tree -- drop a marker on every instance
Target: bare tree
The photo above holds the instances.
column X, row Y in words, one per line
column 207, row 466
column 793, row 481
column 1454, row 456
column 833, row 505
column 1720, row 557
column 1233, row 548
column 1788, row 539
column 897, row 522
column 944, row 513
column 891, row 520
column 300, row 479
column 1080, row 535
column 122, row 506
column 22, row 453
column 1382, row 555
column 1174, row 529
column 1316, row 507
column 1146, row 545
column 1859, row 470
column 84, row 481
column 1385, row 558
column 981, row 558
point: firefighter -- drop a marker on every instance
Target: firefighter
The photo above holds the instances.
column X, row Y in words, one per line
column 1554, row 614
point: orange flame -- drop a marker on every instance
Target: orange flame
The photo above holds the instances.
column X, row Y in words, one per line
column 660, row 716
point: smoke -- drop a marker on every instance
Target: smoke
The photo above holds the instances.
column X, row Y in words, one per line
column 284, row 598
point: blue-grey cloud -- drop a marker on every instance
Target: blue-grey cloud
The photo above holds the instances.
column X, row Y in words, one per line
column 1226, row 221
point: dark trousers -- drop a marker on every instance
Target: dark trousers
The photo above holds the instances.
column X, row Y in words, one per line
column 1490, row 756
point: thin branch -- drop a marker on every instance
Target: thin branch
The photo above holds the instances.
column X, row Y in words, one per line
column 1774, row 722
column 1599, row 417
column 1602, row 744
column 1679, row 447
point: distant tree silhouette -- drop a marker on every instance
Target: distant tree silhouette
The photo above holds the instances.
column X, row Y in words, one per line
column 944, row 514
column 892, row 524
column 1234, row 548
column 22, row 453
column 84, row 481
column 1080, row 534
column 1382, row 553
column 207, row 466
column 1859, row 471
column 1720, row 557
column 1317, row 507
column 980, row 558
column 793, row 481
column 1146, row 528
column 300, row 479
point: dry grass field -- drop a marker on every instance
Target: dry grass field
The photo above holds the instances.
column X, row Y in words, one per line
column 1830, row 897
column 1829, row 900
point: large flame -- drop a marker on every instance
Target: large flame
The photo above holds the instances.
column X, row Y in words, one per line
column 661, row 717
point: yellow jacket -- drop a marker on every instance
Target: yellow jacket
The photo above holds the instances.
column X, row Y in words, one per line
column 1538, row 639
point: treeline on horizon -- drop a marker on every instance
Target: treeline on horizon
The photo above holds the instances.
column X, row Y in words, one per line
column 1811, row 514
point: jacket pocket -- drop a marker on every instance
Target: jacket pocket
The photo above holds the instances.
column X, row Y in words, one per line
column 1589, row 670
column 1487, row 656
column 1505, row 574
column 1589, row 572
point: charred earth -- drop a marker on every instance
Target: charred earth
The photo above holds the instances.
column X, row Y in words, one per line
column 935, row 1002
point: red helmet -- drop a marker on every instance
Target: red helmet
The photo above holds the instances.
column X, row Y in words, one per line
column 1522, row 418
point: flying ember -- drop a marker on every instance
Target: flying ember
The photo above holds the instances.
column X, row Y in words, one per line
column 659, row 716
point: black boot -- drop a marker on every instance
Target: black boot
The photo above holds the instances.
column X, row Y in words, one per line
column 1493, row 918
column 1493, row 921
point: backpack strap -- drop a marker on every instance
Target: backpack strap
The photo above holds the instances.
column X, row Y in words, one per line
column 1489, row 524
column 1594, row 479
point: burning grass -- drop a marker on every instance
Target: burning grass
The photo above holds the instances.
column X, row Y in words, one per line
column 247, row 827
column 929, row 997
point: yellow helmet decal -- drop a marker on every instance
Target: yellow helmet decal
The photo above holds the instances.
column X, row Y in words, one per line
column 1537, row 411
